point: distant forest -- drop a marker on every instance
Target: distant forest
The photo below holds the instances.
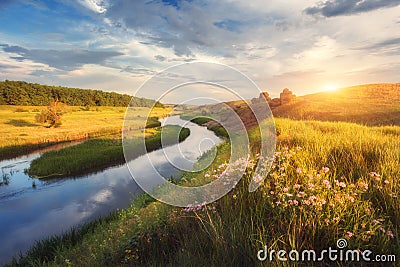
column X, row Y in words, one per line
column 33, row 94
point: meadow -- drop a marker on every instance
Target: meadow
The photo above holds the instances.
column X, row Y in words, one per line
column 329, row 180
column 373, row 104
column 20, row 133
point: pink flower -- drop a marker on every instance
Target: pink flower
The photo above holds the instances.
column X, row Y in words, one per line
column 340, row 184
column 296, row 186
column 206, row 175
column 295, row 202
column 258, row 178
column 298, row 170
column 386, row 182
column 326, row 183
column 390, row 233
column 285, row 190
column 272, row 192
column 310, row 186
column 349, row 234
column 325, row 169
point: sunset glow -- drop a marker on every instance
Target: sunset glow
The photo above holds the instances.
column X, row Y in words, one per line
column 330, row 87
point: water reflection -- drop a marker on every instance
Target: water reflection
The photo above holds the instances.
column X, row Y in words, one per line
column 32, row 213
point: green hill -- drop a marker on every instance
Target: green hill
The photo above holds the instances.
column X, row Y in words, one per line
column 372, row 104
column 33, row 94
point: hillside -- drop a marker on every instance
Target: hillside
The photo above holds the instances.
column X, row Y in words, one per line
column 373, row 104
column 33, row 94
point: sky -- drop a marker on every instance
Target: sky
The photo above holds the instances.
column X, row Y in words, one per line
column 304, row 45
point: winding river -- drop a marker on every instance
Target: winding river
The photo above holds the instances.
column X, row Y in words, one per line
column 29, row 213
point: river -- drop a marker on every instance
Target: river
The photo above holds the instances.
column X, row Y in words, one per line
column 29, row 213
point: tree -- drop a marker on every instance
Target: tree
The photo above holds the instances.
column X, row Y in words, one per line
column 52, row 114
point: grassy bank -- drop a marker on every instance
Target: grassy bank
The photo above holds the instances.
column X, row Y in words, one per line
column 213, row 126
column 20, row 134
column 328, row 181
column 97, row 154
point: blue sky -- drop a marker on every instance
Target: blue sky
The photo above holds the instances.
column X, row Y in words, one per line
column 116, row 45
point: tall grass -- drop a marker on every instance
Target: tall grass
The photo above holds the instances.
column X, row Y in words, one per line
column 328, row 181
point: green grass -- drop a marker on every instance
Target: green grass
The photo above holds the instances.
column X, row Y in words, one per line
column 217, row 129
column 97, row 154
column 20, row 134
column 348, row 201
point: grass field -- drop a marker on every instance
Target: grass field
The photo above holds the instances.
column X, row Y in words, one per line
column 329, row 180
column 374, row 104
column 19, row 133
column 96, row 154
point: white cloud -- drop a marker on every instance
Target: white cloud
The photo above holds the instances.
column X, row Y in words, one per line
column 97, row 6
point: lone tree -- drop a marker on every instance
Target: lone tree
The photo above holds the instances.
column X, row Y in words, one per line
column 52, row 114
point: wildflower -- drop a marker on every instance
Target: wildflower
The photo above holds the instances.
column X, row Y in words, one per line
column 364, row 185
column 272, row 192
column 189, row 208
column 295, row 202
column 285, row 190
column 377, row 176
column 299, row 170
column 234, row 196
column 310, row 186
column 390, row 234
column 325, row 169
column 386, row 182
column 278, row 202
column 349, row 234
column 382, row 229
column 257, row 178
column 340, row 184
column 296, row 186
column 207, row 175
column 326, row 183
column 312, row 198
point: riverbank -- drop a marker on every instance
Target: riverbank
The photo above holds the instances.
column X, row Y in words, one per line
column 210, row 124
column 97, row 154
column 20, row 134
column 330, row 181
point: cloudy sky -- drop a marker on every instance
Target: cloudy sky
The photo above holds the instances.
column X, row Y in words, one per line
column 116, row 45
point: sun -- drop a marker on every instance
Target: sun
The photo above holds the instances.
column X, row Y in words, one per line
column 330, row 87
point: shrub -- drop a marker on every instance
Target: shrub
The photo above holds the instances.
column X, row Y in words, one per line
column 52, row 114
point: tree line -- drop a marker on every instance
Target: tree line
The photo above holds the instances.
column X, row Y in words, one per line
column 33, row 94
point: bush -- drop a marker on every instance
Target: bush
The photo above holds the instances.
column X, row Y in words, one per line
column 52, row 114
